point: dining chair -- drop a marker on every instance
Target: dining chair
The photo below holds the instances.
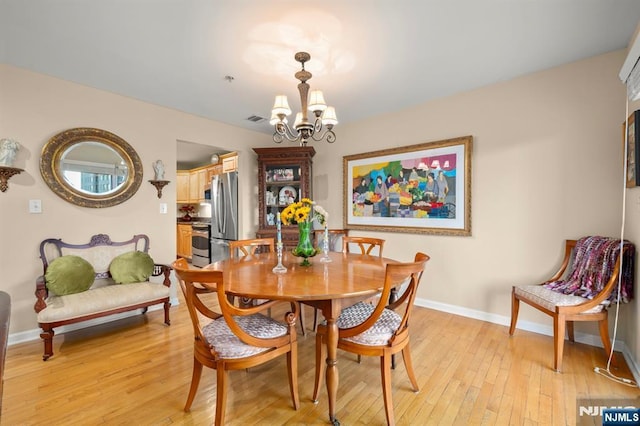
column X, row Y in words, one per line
column 249, row 247
column 236, row 338
column 582, row 289
column 367, row 245
column 378, row 330
column 335, row 238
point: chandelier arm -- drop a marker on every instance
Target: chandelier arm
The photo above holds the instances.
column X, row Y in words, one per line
column 328, row 134
column 284, row 131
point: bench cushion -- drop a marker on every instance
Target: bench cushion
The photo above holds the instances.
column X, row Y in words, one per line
column 131, row 267
column 69, row 274
column 100, row 299
column 549, row 299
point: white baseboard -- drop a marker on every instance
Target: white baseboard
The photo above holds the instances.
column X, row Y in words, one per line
column 29, row 335
column 588, row 339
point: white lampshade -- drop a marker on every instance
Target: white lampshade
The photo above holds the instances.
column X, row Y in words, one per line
column 298, row 120
column 275, row 119
column 329, row 116
column 316, row 101
column 281, row 105
column 446, row 164
column 435, row 164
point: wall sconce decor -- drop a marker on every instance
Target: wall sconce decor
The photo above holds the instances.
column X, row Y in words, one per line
column 159, row 184
column 5, row 174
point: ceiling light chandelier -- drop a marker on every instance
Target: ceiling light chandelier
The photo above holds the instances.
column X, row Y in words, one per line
column 303, row 129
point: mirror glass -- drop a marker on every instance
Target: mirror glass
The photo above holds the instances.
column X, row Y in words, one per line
column 91, row 167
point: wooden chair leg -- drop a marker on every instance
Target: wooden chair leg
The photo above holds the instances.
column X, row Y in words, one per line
column 304, row 333
column 603, row 326
column 221, row 394
column 195, row 381
column 385, row 372
column 292, row 367
column 570, row 332
column 558, row 341
column 315, row 319
column 408, row 365
column 321, row 357
column 515, row 308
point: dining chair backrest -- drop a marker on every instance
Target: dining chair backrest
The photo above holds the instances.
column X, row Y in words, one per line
column 396, row 273
column 335, row 238
column 367, row 245
column 251, row 247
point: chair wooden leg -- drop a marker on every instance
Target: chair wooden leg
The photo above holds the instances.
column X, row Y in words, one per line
column 315, row 319
column 304, row 333
column 221, row 394
column 195, row 381
column 603, row 326
column 558, row 341
column 385, row 372
column 570, row 332
column 292, row 367
column 321, row 356
column 515, row 308
column 408, row 365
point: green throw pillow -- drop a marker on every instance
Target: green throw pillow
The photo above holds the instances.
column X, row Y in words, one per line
column 69, row 274
column 131, row 267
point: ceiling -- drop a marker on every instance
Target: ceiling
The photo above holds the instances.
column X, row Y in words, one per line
column 368, row 56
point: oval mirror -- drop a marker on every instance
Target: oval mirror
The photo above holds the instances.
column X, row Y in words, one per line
column 91, row 167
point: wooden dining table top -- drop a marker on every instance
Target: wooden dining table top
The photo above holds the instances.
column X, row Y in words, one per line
column 347, row 275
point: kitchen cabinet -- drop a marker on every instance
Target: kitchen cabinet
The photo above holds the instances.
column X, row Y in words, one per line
column 230, row 164
column 183, row 240
column 182, row 186
column 197, row 179
column 284, row 177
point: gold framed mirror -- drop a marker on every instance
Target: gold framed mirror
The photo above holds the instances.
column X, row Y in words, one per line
column 91, row 167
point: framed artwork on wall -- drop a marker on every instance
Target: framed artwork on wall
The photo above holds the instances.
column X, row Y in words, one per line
column 424, row 188
column 632, row 139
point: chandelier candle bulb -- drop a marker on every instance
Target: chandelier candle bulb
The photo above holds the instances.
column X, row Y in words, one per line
column 279, row 229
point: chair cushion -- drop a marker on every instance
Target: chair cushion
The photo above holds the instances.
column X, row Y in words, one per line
column 69, row 275
column 100, row 299
column 549, row 299
column 131, row 267
column 229, row 346
column 377, row 335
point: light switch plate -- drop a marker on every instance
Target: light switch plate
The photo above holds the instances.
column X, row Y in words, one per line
column 35, row 206
column 163, row 208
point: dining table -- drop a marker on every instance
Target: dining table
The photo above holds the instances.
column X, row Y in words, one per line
column 330, row 286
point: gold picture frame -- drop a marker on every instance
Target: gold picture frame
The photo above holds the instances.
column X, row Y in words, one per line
column 411, row 200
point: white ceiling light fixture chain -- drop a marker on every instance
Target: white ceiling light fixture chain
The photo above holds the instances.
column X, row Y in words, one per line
column 303, row 129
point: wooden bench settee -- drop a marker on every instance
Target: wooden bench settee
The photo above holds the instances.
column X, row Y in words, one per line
column 104, row 297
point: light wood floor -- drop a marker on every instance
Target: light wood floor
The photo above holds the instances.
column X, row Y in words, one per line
column 137, row 371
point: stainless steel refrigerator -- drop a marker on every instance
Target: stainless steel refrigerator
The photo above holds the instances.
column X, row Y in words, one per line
column 224, row 214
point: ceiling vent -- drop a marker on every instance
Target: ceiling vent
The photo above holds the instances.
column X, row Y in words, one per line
column 256, row 119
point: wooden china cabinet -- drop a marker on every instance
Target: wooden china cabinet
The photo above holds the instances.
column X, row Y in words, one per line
column 284, row 177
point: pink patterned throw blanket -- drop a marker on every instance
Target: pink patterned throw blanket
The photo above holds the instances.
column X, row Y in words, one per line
column 593, row 262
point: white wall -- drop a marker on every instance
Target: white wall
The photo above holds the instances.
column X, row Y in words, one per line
column 547, row 159
column 33, row 108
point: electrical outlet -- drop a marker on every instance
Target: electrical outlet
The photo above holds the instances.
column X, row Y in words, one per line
column 35, row 206
column 163, row 208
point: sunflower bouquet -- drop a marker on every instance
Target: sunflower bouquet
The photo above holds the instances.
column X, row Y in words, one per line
column 303, row 211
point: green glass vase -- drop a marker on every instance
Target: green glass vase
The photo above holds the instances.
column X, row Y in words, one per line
column 305, row 248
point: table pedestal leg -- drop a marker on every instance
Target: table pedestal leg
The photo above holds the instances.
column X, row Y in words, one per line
column 332, row 368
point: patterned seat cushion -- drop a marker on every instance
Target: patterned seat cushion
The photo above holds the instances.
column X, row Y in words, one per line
column 229, row 346
column 377, row 335
column 550, row 299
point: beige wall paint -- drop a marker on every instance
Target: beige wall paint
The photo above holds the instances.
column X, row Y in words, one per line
column 33, row 108
column 546, row 166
